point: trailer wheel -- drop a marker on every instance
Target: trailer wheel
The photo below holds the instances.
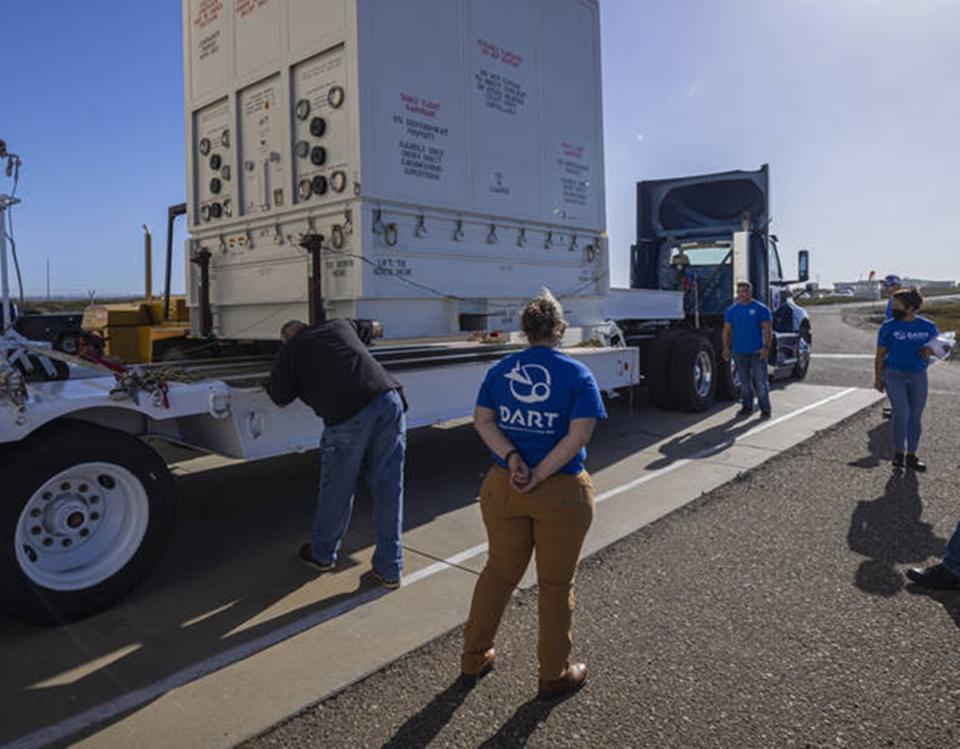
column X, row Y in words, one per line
column 694, row 373
column 85, row 513
column 659, row 369
column 804, row 347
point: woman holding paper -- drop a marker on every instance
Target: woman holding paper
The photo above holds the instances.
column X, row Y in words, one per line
column 903, row 355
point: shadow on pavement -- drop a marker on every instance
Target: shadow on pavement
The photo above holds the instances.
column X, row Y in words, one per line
column 719, row 438
column 878, row 447
column 889, row 532
column 522, row 724
column 419, row 730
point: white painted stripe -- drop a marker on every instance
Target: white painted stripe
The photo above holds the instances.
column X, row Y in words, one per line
column 843, row 356
column 132, row 700
column 713, row 449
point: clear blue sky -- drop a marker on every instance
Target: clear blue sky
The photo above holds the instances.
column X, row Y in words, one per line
column 854, row 104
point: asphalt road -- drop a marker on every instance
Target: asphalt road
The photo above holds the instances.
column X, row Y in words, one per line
column 771, row 613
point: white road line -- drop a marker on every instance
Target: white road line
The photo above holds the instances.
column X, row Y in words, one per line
column 132, row 700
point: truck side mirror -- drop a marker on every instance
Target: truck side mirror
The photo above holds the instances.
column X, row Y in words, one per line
column 803, row 265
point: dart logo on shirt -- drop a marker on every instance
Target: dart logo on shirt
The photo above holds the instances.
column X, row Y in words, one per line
column 529, row 383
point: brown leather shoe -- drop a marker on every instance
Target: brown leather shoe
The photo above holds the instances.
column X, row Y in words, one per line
column 489, row 657
column 573, row 678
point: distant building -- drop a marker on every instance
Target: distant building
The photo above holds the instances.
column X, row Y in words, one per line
column 927, row 284
column 869, row 290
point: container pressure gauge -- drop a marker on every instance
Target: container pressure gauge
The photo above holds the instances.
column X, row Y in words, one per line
column 225, row 173
column 304, row 189
column 335, row 97
column 318, row 127
column 225, row 139
column 216, row 162
column 338, row 181
column 215, row 185
column 204, row 213
column 227, row 207
column 319, row 184
column 204, row 146
column 303, row 109
column 318, row 156
column 303, row 149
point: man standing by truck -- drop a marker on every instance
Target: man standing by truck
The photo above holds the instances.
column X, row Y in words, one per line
column 330, row 369
column 746, row 326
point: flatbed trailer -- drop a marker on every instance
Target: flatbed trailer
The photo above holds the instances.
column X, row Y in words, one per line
column 87, row 501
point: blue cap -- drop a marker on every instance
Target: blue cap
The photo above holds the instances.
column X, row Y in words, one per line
column 892, row 280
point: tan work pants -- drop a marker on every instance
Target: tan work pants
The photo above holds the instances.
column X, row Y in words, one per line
column 554, row 519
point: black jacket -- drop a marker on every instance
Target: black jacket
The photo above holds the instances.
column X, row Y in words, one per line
column 330, row 369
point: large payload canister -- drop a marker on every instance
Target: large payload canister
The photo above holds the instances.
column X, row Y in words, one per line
column 449, row 153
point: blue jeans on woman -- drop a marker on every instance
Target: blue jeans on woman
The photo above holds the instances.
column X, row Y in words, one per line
column 371, row 442
column 907, row 392
column 753, row 379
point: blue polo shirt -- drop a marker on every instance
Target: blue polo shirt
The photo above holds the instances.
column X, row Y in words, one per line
column 904, row 340
column 536, row 393
column 889, row 308
column 746, row 321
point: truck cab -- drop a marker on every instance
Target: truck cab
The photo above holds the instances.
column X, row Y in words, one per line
column 700, row 235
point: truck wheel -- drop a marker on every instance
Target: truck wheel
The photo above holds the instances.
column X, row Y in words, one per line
column 804, row 347
column 728, row 381
column 694, row 373
column 85, row 513
column 659, row 370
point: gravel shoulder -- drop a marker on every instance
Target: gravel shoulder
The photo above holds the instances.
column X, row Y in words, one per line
column 769, row 613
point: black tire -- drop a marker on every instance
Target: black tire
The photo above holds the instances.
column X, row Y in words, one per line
column 132, row 493
column 658, row 369
column 728, row 381
column 803, row 363
column 693, row 381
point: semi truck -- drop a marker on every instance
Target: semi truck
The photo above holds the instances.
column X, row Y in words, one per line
column 429, row 164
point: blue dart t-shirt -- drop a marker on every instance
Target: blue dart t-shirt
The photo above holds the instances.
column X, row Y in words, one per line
column 746, row 321
column 904, row 340
column 536, row 393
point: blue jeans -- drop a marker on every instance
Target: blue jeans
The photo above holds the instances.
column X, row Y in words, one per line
column 753, row 379
column 373, row 443
column 908, row 395
column 951, row 560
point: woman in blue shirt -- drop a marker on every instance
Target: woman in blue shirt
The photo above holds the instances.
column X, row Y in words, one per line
column 536, row 411
column 901, row 368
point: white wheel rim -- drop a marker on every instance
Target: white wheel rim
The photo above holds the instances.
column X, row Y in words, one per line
column 82, row 526
column 702, row 374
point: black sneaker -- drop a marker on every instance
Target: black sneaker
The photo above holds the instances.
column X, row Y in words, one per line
column 935, row 577
column 914, row 463
column 306, row 556
column 744, row 411
column 765, row 415
column 899, row 461
column 386, row 582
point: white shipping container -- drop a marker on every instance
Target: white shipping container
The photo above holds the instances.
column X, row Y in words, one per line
column 449, row 151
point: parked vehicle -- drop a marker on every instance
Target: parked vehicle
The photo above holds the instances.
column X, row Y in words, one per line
column 700, row 235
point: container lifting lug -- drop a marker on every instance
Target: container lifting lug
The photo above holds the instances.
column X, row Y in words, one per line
column 492, row 235
column 522, row 237
column 458, row 231
column 421, row 230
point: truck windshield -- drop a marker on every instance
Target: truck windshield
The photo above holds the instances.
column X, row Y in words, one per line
column 703, row 255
